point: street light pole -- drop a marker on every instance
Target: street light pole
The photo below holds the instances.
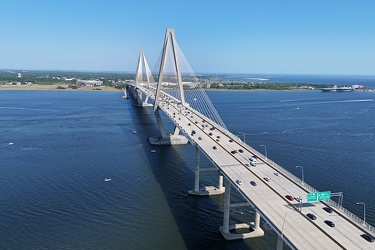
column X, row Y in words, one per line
column 364, row 211
column 265, row 150
column 244, row 136
column 303, row 178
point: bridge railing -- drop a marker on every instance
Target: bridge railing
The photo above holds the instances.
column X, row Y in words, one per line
column 352, row 216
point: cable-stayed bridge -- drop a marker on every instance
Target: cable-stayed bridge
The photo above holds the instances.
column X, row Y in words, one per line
column 262, row 183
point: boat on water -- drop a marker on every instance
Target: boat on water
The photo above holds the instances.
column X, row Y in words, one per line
column 10, row 143
column 153, row 151
column 134, row 132
column 107, row 179
column 337, row 89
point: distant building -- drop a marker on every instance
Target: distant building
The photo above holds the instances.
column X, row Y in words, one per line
column 19, row 75
column 89, row 83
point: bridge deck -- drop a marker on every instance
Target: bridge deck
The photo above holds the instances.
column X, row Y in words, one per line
column 268, row 197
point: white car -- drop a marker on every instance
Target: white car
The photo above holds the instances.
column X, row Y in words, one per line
column 267, row 178
column 253, row 161
column 239, row 182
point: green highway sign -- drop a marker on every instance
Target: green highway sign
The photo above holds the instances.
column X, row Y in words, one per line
column 311, row 197
column 318, row 196
column 324, row 196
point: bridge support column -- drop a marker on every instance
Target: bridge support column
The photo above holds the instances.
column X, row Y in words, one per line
column 160, row 124
column 137, row 95
column 165, row 139
column 280, row 243
column 221, row 187
column 197, row 162
column 256, row 220
column 253, row 228
column 207, row 190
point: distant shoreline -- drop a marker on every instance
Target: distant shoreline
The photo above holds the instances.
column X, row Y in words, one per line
column 63, row 87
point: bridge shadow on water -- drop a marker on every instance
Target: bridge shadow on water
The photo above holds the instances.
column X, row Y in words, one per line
column 198, row 218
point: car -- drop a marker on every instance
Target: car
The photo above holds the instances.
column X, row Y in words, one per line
column 240, row 150
column 368, row 237
column 267, row 178
column 218, row 137
column 214, row 147
column 199, row 138
column 239, row 182
column 209, row 134
column 329, row 223
column 328, row 209
column 289, row 197
column 233, row 151
column 193, row 132
column 311, row 216
column 276, row 173
column 253, row 161
column 253, row 183
column 230, row 140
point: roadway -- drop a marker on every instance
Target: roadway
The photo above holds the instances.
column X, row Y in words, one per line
column 268, row 197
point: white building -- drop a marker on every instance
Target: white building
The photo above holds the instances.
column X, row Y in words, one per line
column 89, row 83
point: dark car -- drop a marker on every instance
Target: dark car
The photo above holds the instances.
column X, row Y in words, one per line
column 199, row 138
column 289, row 197
column 253, row 183
column 214, row 147
column 240, row 150
column 311, row 216
column 233, row 151
column 328, row 209
column 329, row 223
column 368, row 237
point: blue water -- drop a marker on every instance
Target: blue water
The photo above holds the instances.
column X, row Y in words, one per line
column 52, row 189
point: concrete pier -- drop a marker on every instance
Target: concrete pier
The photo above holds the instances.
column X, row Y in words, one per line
column 169, row 140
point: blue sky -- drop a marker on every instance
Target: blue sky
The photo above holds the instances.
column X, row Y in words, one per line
column 238, row 36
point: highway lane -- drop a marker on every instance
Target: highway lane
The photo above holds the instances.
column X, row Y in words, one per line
column 268, row 197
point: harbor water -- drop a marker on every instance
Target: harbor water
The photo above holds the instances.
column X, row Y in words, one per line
column 58, row 147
